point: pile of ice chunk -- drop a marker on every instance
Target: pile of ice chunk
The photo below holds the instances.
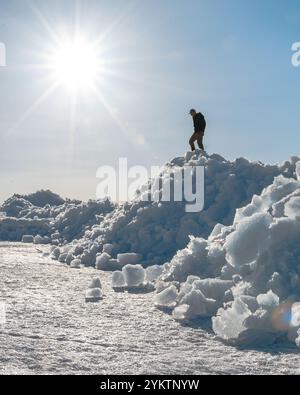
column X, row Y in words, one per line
column 157, row 230
column 245, row 276
column 104, row 261
column 134, row 276
column 46, row 214
column 154, row 230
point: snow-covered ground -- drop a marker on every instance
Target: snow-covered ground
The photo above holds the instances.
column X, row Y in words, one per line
column 51, row 330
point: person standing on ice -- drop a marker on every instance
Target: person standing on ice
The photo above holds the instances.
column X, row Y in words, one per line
column 199, row 129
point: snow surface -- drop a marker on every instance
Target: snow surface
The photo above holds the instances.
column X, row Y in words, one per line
column 51, row 330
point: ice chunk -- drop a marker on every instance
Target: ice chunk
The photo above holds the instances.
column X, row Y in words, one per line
column 166, row 298
column 250, row 239
column 251, row 302
column 118, row 280
column 41, row 240
column 199, row 305
column 69, row 259
column 113, row 264
column 153, row 272
column 268, row 301
column 162, row 285
column 294, row 325
column 213, row 288
column 237, row 324
column 102, row 261
column 295, row 315
column 96, row 283
column 62, row 258
column 229, row 323
column 298, row 170
column 216, row 231
column 297, row 341
column 134, row 275
column 129, row 259
column 27, row 239
column 75, row 264
column 191, row 279
column 292, row 207
column 94, row 292
column 108, row 248
column 55, row 253
column 88, row 257
column 180, row 313
column 190, row 260
column 93, row 295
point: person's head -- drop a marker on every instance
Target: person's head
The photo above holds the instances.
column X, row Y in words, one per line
column 193, row 112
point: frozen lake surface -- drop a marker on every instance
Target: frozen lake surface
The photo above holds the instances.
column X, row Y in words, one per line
column 51, row 330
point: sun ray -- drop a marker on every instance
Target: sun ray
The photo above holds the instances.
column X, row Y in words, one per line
column 132, row 136
column 30, row 110
column 137, row 59
column 72, row 129
column 44, row 21
column 147, row 83
column 125, row 12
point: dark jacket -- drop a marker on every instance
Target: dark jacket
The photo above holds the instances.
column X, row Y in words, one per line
column 199, row 123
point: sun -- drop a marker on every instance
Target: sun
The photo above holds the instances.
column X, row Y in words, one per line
column 75, row 64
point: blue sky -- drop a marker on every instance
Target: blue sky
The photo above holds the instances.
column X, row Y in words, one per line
column 231, row 59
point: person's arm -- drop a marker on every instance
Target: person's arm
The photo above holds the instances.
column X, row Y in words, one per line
column 197, row 125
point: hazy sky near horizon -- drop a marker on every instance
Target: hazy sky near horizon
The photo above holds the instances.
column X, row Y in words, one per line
column 231, row 59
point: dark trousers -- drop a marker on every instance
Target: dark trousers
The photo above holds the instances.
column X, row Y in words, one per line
column 197, row 136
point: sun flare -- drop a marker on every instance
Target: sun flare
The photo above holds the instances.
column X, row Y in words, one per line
column 75, row 64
